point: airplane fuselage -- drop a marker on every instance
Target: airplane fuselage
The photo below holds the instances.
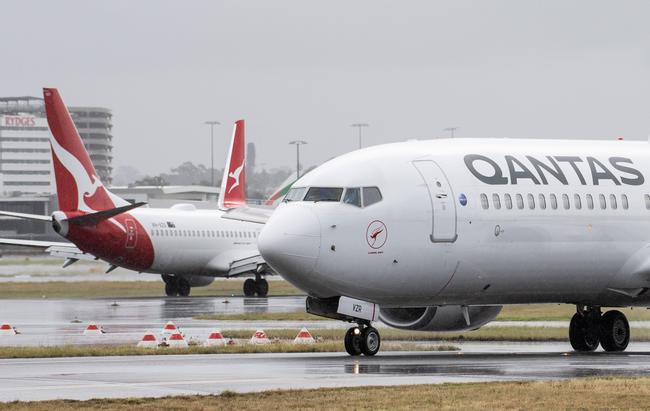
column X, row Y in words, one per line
column 469, row 221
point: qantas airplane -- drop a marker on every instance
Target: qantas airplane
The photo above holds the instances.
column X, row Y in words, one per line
column 186, row 246
column 438, row 235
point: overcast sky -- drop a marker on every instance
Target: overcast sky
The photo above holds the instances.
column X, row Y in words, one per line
column 301, row 69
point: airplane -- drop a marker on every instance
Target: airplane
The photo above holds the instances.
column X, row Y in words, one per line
column 439, row 235
column 186, row 246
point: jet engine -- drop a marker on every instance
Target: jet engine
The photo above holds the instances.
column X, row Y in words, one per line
column 439, row 318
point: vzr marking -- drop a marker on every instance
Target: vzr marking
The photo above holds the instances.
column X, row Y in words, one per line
column 551, row 167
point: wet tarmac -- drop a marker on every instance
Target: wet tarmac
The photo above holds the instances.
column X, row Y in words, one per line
column 57, row 322
column 154, row 376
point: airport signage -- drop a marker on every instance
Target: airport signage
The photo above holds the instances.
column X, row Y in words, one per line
column 19, row 121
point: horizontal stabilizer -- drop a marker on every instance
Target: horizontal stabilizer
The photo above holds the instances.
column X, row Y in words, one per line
column 26, row 216
column 95, row 218
column 33, row 243
column 248, row 214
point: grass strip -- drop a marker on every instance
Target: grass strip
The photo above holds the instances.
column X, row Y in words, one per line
column 601, row 393
column 239, row 348
column 120, row 289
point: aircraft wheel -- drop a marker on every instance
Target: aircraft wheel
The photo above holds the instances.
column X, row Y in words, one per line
column 170, row 289
column 168, row 278
column 249, row 287
column 614, row 331
column 183, row 287
column 370, row 341
column 352, row 341
column 583, row 333
column 262, row 287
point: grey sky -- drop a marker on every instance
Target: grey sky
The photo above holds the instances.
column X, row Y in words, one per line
column 299, row 69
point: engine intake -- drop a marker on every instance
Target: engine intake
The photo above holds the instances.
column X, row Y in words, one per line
column 439, row 318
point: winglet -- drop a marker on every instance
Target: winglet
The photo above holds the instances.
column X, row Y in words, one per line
column 233, row 183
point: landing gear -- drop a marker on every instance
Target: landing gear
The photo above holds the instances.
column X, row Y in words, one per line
column 614, row 331
column 176, row 286
column 257, row 286
column 362, row 340
column 589, row 328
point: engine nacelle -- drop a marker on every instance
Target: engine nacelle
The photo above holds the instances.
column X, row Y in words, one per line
column 60, row 223
column 439, row 318
column 198, row 280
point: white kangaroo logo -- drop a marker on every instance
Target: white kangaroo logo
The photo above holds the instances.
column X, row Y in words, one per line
column 235, row 174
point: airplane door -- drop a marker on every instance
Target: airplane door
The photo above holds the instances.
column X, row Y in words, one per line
column 443, row 207
column 131, row 233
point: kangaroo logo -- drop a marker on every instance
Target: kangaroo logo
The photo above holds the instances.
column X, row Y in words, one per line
column 376, row 234
column 235, row 174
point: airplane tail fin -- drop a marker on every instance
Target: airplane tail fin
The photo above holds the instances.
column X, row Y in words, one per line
column 78, row 186
column 233, row 184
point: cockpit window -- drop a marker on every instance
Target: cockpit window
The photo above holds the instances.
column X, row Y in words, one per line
column 324, row 194
column 295, row 194
column 371, row 195
column 352, row 196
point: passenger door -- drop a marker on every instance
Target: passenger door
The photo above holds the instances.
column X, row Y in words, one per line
column 443, row 206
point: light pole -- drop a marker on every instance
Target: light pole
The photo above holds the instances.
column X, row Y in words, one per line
column 212, row 123
column 451, row 130
column 360, row 126
column 298, row 143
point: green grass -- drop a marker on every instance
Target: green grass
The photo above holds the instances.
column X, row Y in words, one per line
column 117, row 289
column 240, row 348
column 584, row 394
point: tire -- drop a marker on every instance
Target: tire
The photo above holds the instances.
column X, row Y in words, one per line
column 170, row 289
column 614, row 331
column 184, row 287
column 583, row 333
column 168, row 278
column 262, row 287
column 352, row 342
column 370, row 341
column 249, row 287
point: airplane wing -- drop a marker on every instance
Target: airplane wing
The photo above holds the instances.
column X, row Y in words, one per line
column 249, row 214
column 26, row 216
column 54, row 248
column 236, row 262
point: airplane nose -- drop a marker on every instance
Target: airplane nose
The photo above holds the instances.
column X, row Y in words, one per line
column 290, row 242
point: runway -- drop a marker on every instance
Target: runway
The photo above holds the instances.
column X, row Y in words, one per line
column 154, row 376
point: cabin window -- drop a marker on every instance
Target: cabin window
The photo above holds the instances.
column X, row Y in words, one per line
column 484, row 201
column 352, row 196
column 531, row 201
column 602, row 201
column 565, row 201
column 496, row 200
column 508, row 200
column 624, row 202
column 542, row 202
column 578, row 201
column 553, row 201
column 324, row 194
column 590, row 202
column 295, row 194
column 371, row 195
column 520, row 201
column 612, row 201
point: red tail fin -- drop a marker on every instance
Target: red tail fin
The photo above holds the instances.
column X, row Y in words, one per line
column 233, row 184
column 77, row 184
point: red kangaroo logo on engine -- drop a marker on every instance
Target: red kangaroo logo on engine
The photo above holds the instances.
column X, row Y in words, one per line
column 376, row 234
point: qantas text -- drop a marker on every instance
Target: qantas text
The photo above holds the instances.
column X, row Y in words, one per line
column 617, row 170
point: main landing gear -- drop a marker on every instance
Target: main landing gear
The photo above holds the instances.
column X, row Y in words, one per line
column 176, row 286
column 589, row 328
column 257, row 286
column 363, row 339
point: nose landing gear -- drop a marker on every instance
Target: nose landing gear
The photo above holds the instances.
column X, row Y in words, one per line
column 363, row 339
column 589, row 328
